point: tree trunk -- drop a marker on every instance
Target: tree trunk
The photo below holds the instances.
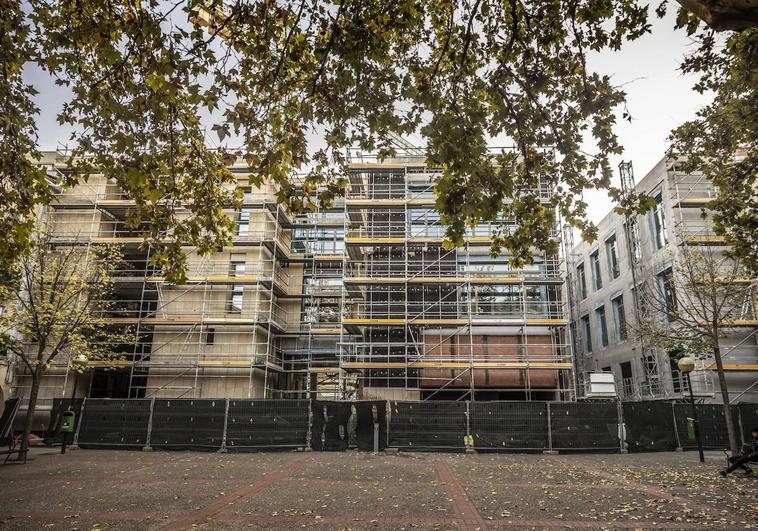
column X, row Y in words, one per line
column 29, row 421
column 734, row 446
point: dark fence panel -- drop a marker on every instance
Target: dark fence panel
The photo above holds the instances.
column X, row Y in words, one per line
column 53, row 434
column 509, row 425
column 113, row 422
column 329, row 425
column 584, row 425
column 266, row 424
column 649, row 426
column 749, row 420
column 439, row 425
column 187, row 423
column 712, row 426
column 365, row 428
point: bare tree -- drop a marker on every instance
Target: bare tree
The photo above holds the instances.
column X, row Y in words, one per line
column 689, row 301
column 54, row 306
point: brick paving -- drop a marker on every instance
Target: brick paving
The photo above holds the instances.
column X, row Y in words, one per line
column 102, row 489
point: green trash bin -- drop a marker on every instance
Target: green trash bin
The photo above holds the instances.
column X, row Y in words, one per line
column 691, row 428
column 68, row 425
column 68, row 422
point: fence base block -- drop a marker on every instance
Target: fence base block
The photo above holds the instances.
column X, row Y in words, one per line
column 550, row 452
column 147, row 448
column 392, row 450
column 678, row 449
column 221, row 451
column 623, row 451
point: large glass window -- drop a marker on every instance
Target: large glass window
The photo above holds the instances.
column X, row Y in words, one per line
column 619, row 317
column 602, row 326
column 236, row 268
column 581, row 281
column 243, row 225
column 507, row 301
column 611, row 251
column 318, row 241
column 667, row 292
column 597, row 278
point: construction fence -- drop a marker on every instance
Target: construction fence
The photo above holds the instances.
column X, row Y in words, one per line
column 506, row 426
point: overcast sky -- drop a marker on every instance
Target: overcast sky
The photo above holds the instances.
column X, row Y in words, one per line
column 659, row 98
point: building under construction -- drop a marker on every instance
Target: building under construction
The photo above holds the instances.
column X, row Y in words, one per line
column 357, row 301
column 608, row 275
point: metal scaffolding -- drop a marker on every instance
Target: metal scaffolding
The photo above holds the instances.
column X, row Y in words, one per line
column 360, row 300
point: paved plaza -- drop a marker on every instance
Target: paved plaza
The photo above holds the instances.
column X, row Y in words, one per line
column 104, row 489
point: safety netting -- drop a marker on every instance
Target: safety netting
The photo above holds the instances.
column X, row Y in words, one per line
column 365, row 424
column 506, row 426
column 433, row 425
column 712, row 426
column 329, row 427
column 649, row 426
column 184, row 423
column 266, row 424
column 584, row 425
column 110, row 422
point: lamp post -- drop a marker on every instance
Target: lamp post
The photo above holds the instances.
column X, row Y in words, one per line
column 687, row 365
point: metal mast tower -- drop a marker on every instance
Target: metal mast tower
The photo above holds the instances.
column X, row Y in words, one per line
column 632, row 233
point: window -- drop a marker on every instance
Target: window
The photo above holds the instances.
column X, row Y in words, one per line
column 597, row 279
column 619, row 318
column 667, row 292
column 602, row 327
column 586, row 334
column 243, row 226
column 582, row 281
column 236, row 268
column 235, row 299
column 658, row 223
column 612, row 254
column 210, row 336
column 627, row 379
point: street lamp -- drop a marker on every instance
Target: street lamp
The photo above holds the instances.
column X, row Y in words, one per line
column 687, row 365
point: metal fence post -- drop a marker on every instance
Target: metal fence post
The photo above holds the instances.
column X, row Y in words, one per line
column 147, row 447
column 75, row 442
column 387, row 418
column 148, row 438
column 549, row 432
column 222, row 450
column 469, row 440
column 676, row 429
column 622, row 428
